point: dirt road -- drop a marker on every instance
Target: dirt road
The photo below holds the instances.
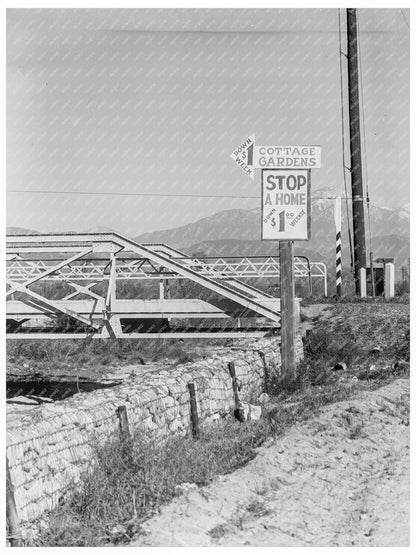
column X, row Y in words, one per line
column 340, row 479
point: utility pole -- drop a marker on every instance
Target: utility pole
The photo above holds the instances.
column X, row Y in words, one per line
column 360, row 259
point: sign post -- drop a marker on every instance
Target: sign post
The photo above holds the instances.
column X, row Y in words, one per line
column 286, row 217
column 287, row 307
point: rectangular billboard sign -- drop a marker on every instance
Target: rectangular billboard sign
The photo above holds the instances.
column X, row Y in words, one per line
column 286, row 204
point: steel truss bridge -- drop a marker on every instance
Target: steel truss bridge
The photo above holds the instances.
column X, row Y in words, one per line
column 92, row 267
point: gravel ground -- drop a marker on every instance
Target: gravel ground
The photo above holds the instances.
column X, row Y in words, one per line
column 339, row 479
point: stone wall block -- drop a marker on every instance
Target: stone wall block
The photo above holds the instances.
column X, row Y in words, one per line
column 50, row 447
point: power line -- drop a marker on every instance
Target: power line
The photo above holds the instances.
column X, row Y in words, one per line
column 404, row 17
column 109, row 193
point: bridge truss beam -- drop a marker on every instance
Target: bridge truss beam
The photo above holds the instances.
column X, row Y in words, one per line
column 81, row 261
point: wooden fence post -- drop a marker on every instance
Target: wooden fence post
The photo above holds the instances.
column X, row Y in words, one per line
column 266, row 371
column 194, row 411
column 123, row 423
column 11, row 513
column 231, row 369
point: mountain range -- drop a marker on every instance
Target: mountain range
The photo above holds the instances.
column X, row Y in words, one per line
column 238, row 233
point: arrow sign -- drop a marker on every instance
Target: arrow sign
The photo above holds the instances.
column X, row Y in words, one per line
column 243, row 156
column 250, row 156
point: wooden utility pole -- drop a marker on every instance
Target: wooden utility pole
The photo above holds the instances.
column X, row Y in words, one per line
column 287, row 310
column 360, row 259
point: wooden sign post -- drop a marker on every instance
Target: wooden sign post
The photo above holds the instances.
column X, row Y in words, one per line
column 286, row 217
column 287, row 307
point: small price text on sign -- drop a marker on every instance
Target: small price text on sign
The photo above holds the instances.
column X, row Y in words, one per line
column 286, row 204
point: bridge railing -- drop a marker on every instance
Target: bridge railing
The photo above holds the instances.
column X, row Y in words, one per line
column 20, row 269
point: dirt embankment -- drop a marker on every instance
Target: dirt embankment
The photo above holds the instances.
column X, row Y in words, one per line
column 339, row 479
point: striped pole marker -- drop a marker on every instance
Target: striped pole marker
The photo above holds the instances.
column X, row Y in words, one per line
column 338, row 245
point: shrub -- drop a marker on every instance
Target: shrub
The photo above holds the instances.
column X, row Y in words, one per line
column 331, row 344
column 402, row 288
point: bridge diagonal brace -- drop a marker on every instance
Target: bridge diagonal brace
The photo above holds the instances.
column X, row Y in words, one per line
column 111, row 291
column 85, row 289
column 189, row 273
column 248, row 289
column 53, row 269
column 34, row 299
column 155, row 269
column 112, row 327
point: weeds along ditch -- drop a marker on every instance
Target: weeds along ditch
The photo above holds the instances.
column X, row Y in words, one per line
column 129, row 481
column 59, row 369
column 93, row 354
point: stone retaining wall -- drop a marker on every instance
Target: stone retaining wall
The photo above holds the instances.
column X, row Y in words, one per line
column 50, row 445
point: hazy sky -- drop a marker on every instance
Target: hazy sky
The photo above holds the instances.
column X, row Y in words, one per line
column 154, row 101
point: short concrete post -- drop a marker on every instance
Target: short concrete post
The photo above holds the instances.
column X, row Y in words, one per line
column 389, row 281
column 363, row 283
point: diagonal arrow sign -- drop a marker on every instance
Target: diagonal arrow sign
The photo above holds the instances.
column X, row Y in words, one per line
column 243, row 156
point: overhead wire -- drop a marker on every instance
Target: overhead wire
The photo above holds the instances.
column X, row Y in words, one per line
column 184, row 195
column 405, row 19
column 120, row 194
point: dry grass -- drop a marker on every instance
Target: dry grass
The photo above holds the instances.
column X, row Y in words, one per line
column 131, row 481
column 255, row 509
column 90, row 358
column 349, row 336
